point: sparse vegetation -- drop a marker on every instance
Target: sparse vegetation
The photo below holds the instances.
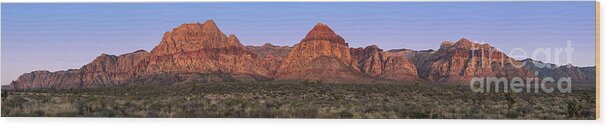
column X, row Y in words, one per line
column 4, row 94
column 308, row 99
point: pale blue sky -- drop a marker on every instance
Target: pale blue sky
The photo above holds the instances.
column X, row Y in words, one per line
column 63, row 36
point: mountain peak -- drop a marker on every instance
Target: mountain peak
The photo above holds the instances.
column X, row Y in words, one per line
column 210, row 21
column 233, row 41
column 464, row 40
column 372, row 48
column 191, row 37
column 321, row 27
column 446, row 44
column 267, row 45
column 207, row 26
column 464, row 43
column 322, row 31
column 320, row 24
column 210, row 25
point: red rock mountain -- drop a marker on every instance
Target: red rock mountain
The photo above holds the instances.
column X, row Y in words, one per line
column 374, row 62
column 321, row 55
column 463, row 60
column 191, row 49
column 271, row 56
column 195, row 48
column 202, row 53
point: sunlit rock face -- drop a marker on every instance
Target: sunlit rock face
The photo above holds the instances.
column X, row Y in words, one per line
column 200, row 52
column 189, row 49
column 392, row 65
column 195, row 48
column 321, row 55
column 464, row 59
column 271, row 56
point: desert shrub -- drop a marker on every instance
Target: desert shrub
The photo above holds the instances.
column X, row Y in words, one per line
column 511, row 99
column 261, row 112
column 306, row 112
column 307, row 82
column 38, row 113
column 231, row 102
column 418, row 115
column 292, row 99
column 524, row 110
column 574, row 109
column 4, row 94
column 345, row 114
column 83, row 108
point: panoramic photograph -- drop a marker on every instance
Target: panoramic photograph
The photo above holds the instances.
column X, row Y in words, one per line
column 304, row 60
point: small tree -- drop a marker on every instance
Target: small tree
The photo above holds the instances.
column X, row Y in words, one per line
column 308, row 82
column 4, row 93
column 511, row 98
column 478, row 99
column 574, row 108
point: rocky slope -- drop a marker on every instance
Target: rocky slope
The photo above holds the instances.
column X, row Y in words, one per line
column 271, row 56
column 374, row 62
column 108, row 70
column 577, row 74
column 463, row 60
column 321, row 55
column 191, row 49
column 202, row 53
column 398, row 67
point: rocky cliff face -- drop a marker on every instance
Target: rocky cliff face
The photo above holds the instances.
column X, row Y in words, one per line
column 190, row 49
column 463, row 60
column 47, row 80
column 370, row 60
column 590, row 73
column 202, row 53
column 374, row 62
column 398, row 67
column 577, row 74
column 193, row 48
column 271, row 56
column 321, row 55
column 421, row 60
column 108, row 70
column 105, row 70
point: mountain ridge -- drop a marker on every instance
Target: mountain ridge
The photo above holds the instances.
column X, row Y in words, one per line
column 201, row 52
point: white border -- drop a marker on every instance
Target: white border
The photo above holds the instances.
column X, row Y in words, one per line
column 169, row 1
column 247, row 122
